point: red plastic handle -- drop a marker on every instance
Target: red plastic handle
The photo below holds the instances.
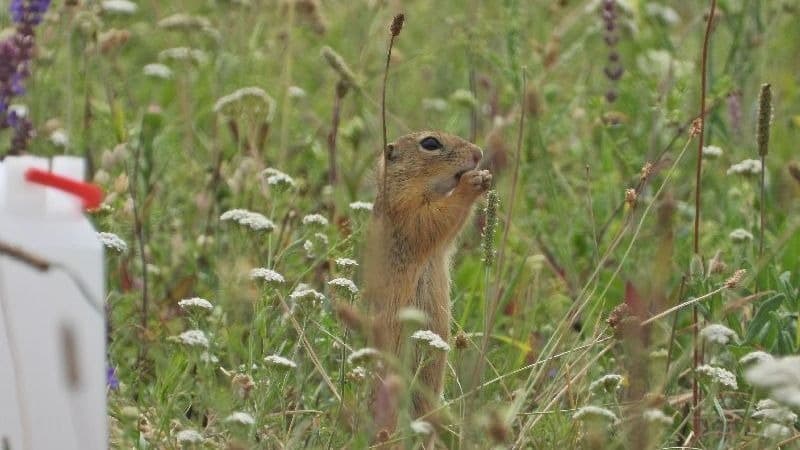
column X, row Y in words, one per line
column 90, row 195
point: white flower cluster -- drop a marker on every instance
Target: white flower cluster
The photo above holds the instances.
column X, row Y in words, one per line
column 119, row 6
column 241, row 418
column 433, row 339
column 112, row 241
column 712, row 152
column 346, row 262
column 421, row 427
column 253, row 98
column 193, row 338
column 183, row 54
column 362, row 354
column 718, row 375
column 771, row 411
column 280, row 361
column 304, row 291
column 157, row 70
column 780, row 377
column 718, row 334
column 189, row 436
column 755, row 357
column 361, row 206
column 746, row 167
column 195, row 302
column 653, row 415
column 609, row 383
column 277, row 178
column 247, row 218
column 315, row 219
column 268, row 275
column 344, row 283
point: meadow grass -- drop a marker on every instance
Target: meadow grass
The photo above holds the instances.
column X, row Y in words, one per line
column 579, row 334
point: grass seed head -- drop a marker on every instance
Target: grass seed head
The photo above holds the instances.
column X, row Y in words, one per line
column 764, row 119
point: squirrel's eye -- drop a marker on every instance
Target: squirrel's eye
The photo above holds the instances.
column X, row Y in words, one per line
column 430, row 143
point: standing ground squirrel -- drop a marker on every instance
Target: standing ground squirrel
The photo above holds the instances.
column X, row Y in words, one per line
column 427, row 182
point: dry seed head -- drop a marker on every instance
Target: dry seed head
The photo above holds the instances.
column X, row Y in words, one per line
column 630, row 197
column 735, row 279
column 697, row 126
column 489, row 229
column 461, row 341
column 397, row 24
column 338, row 64
column 764, row 118
column 647, row 170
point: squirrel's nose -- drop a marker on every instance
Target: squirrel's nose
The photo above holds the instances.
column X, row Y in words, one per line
column 477, row 154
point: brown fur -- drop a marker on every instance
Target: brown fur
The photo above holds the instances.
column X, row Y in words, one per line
column 424, row 198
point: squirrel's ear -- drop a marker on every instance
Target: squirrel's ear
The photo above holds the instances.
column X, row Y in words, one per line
column 390, row 152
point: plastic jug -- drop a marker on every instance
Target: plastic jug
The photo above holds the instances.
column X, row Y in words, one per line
column 52, row 325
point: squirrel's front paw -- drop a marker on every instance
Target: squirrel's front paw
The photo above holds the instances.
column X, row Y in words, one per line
column 477, row 180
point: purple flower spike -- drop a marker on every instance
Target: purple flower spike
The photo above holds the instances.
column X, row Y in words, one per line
column 111, row 378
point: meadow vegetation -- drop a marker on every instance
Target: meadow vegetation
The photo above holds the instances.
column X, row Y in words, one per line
column 236, row 140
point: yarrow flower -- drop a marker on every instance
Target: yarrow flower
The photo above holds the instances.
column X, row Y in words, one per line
column 344, row 283
column 712, row 152
column 241, row 417
column 755, row 357
column 433, row 339
column 247, row 218
column 346, row 262
column 59, row 138
column 361, row 206
column 296, row 92
column 189, row 436
column 277, row 178
column 609, row 383
column 157, row 70
column 112, row 241
column 280, row 361
column 195, row 302
column 304, row 291
column 740, row 235
column 183, row 54
column 771, row 411
column 718, row 334
column 268, row 275
column 193, row 338
column 776, row 431
column 421, row 427
column 362, row 354
column 718, row 375
column 119, row 7
column 594, row 412
column 653, row 415
column 746, row 167
column 780, row 377
column 315, row 219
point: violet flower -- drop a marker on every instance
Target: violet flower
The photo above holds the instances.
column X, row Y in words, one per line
column 111, row 378
column 16, row 53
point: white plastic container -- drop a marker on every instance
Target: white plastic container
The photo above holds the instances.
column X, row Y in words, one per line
column 52, row 326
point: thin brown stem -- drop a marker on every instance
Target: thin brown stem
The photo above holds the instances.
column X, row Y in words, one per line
column 696, row 416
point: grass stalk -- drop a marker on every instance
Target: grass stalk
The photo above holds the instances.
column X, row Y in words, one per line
column 696, row 416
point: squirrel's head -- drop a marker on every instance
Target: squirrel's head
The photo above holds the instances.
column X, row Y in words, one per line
column 426, row 163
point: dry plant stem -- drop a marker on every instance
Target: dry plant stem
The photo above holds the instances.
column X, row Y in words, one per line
column 490, row 318
column 309, row 349
column 691, row 302
column 762, row 207
column 696, row 419
column 392, row 35
column 138, row 229
column 674, row 325
column 341, row 90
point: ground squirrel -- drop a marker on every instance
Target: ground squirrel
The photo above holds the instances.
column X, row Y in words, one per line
column 427, row 182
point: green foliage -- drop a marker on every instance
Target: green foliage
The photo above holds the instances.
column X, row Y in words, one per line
column 572, row 247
